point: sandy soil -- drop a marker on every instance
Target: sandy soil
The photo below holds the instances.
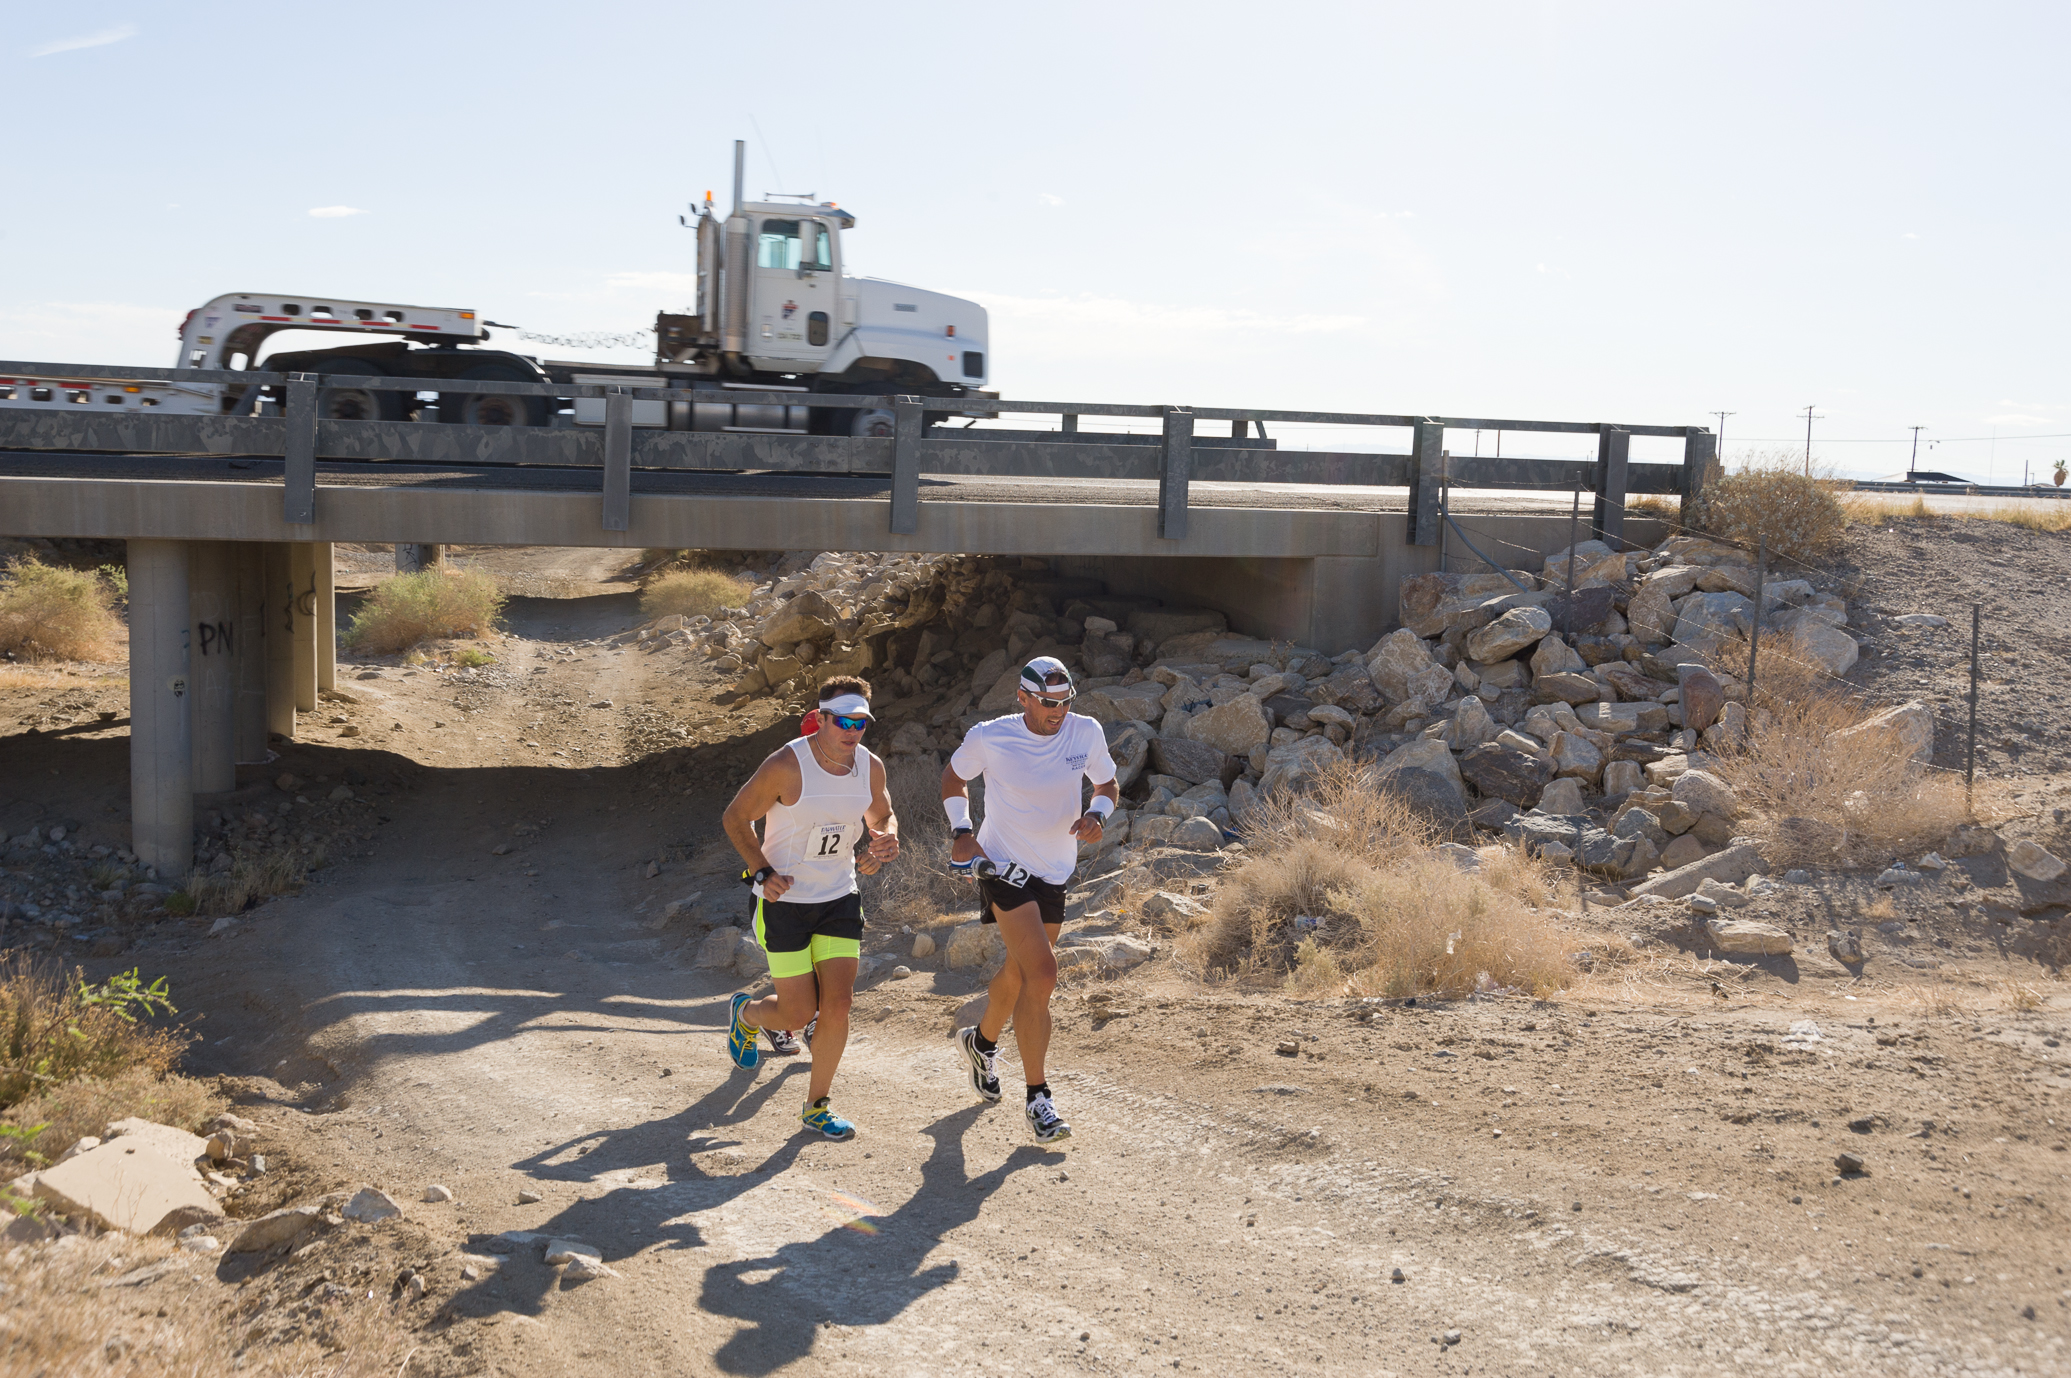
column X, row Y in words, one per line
column 1637, row 1178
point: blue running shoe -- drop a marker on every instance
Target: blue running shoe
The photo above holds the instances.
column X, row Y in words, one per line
column 817, row 1116
column 740, row 1039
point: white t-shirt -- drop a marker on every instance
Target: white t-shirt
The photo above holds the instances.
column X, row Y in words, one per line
column 1032, row 789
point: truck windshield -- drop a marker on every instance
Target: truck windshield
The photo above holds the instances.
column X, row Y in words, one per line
column 779, row 244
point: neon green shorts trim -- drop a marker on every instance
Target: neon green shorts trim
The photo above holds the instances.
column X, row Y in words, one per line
column 798, row 937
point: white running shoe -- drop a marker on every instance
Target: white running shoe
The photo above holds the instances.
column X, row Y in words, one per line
column 1050, row 1131
column 985, row 1079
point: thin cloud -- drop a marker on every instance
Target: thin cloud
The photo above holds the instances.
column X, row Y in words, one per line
column 1049, row 200
column 2017, row 419
column 93, row 40
column 334, row 212
column 654, row 281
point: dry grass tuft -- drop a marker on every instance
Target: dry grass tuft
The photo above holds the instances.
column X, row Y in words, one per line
column 2050, row 515
column 1389, row 915
column 48, row 613
column 2023, row 995
column 1873, row 509
column 1798, row 515
column 88, row 1106
column 410, row 608
column 1827, row 800
column 56, row 1027
column 250, row 880
column 693, row 593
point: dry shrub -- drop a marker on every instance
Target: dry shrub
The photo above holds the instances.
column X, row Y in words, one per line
column 48, row 613
column 88, row 1106
column 58, row 1027
column 27, row 677
column 64, row 1319
column 410, row 608
column 250, row 880
column 1873, row 509
column 1830, row 800
column 2050, row 515
column 1392, row 916
column 918, row 888
column 1798, row 515
column 693, row 593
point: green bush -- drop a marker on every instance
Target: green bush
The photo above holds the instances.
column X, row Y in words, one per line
column 411, row 608
column 56, row 1028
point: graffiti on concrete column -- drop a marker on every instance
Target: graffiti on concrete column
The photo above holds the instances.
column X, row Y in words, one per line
column 215, row 638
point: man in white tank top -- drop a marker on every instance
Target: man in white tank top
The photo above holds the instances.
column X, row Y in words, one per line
column 816, row 798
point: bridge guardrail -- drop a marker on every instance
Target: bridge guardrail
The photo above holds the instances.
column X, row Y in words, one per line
column 1176, row 458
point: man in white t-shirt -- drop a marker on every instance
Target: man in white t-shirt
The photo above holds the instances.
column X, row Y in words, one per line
column 1032, row 762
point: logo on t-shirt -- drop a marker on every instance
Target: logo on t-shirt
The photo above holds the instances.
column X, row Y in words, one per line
column 1077, row 762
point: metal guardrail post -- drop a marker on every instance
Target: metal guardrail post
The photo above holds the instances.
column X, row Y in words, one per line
column 1607, row 521
column 1176, row 473
column 907, row 424
column 618, row 460
column 298, row 499
column 1700, row 456
column 1427, row 480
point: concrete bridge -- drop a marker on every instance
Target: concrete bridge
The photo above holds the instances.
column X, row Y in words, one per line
column 230, row 522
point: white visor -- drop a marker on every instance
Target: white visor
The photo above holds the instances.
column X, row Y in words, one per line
column 847, row 706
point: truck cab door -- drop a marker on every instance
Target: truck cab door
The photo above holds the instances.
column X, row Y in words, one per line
column 797, row 290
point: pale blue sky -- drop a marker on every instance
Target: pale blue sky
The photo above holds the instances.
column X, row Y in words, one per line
column 1628, row 212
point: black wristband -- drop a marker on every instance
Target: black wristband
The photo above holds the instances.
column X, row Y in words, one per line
column 955, row 833
column 760, row 876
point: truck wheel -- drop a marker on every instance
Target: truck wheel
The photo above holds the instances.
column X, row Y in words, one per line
column 358, row 404
column 874, row 422
column 489, row 408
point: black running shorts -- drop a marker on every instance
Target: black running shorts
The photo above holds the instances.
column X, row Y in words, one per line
column 798, row 937
column 1047, row 898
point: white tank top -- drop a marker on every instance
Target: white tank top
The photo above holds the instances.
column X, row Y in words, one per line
column 814, row 840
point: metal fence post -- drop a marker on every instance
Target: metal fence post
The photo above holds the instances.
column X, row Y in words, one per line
column 1175, row 474
column 618, row 460
column 1970, row 752
column 1754, row 641
column 298, row 498
column 1427, row 472
column 908, row 423
column 1607, row 523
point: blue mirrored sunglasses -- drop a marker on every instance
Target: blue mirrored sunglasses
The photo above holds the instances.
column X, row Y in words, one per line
column 848, row 724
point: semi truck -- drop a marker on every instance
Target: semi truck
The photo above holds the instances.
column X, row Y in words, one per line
column 774, row 312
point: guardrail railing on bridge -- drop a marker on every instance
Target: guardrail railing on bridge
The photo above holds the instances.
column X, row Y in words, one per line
column 1176, row 458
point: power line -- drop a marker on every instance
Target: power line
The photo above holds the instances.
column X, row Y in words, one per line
column 1720, row 451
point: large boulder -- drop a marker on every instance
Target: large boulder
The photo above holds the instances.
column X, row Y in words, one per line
column 1553, row 656
column 1907, row 729
column 1504, row 772
column 1594, row 563
column 1129, row 742
column 130, row 1184
column 1425, row 774
column 1471, row 725
column 1703, row 697
column 1828, row 648
column 1748, row 937
column 974, row 945
column 1349, row 687
column 1567, row 687
column 1192, row 761
column 1630, row 680
column 1702, row 792
column 1575, row 757
column 1144, row 701
column 1394, row 659
column 1731, row 865
column 1297, row 763
column 1508, row 634
column 1705, row 621
column 1588, row 609
column 1235, row 727
column 807, row 617
column 721, row 948
column 1433, row 604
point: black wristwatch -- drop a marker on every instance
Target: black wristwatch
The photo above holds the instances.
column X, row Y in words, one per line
column 760, row 876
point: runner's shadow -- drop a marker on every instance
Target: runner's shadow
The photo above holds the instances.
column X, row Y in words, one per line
column 864, row 1271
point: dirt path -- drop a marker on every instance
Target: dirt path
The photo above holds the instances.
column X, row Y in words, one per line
column 1579, row 1188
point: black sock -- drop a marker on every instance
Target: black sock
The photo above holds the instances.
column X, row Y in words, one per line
column 984, row 1044
column 1041, row 1088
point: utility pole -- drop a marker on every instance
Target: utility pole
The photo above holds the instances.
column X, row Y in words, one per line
column 1720, row 444
column 1809, row 419
column 1914, row 462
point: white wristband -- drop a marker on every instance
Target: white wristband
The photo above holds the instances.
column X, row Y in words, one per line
column 1101, row 807
column 958, row 807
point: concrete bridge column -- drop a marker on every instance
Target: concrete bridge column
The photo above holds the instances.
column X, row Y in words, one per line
column 249, row 656
column 213, row 655
column 302, row 616
column 279, row 611
column 326, row 617
column 161, row 751
column 413, row 558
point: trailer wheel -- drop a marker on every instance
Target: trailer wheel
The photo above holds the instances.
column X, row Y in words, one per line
column 358, row 404
column 490, row 408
